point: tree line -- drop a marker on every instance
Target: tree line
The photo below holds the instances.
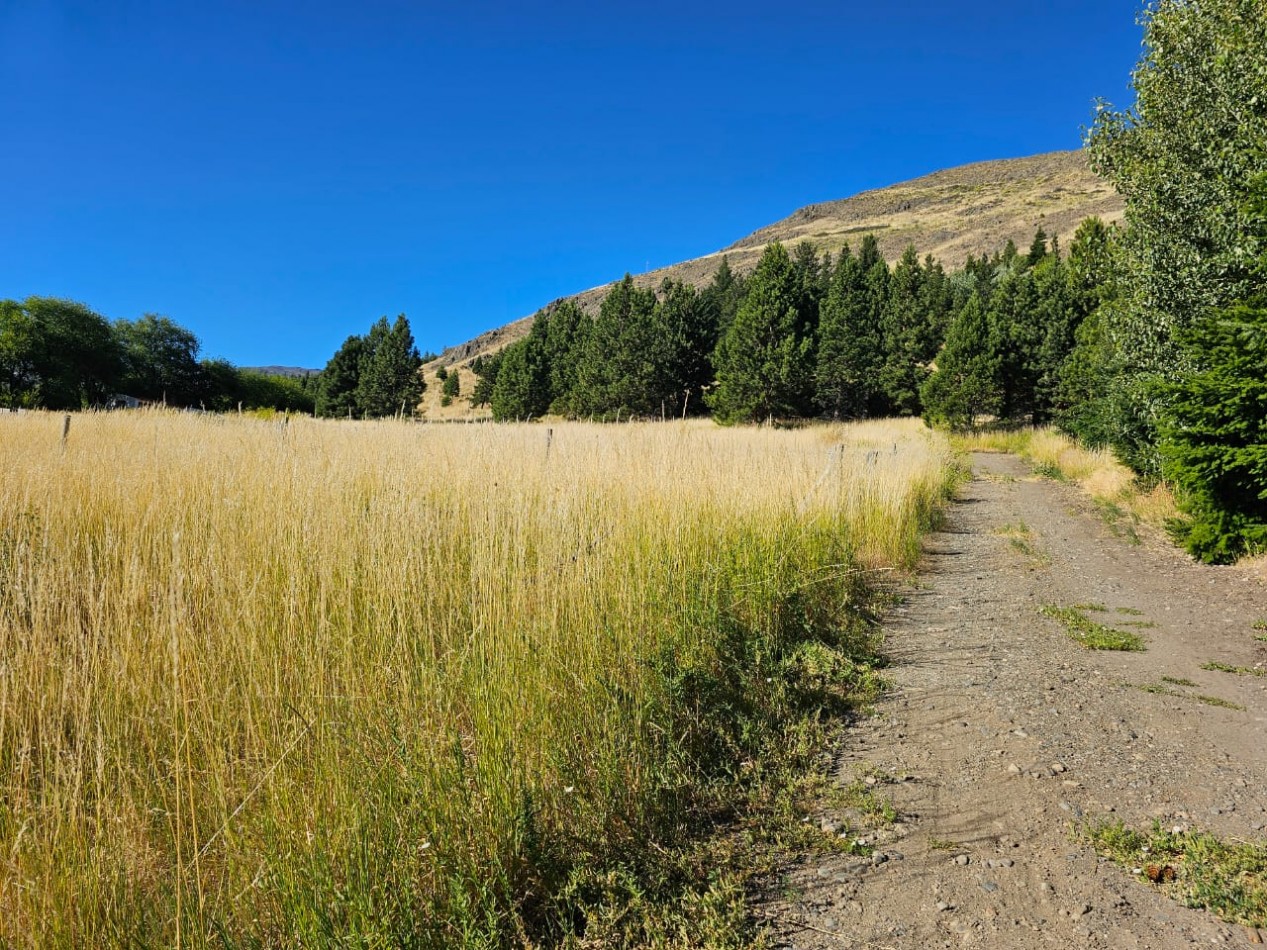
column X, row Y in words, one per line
column 1174, row 370
column 811, row 335
column 60, row 354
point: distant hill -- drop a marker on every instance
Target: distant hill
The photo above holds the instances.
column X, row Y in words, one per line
column 970, row 210
column 296, row 371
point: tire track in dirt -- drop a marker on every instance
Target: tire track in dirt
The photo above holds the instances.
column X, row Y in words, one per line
column 1001, row 732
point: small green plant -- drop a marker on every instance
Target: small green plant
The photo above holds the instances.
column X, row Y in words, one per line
column 1092, row 635
column 1161, row 690
column 1218, row 667
column 1260, row 624
column 1097, row 608
column 1130, row 611
column 1050, row 470
column 1118, row 520
column 943, row 844
column 1138, row 624
column 1193, row 867
column 862, row 794
column 1217, row 701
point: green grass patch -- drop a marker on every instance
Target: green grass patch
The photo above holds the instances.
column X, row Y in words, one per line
column 943, row 844
column 1092, row 635
column 867, row 799
column 1163, row 690
column 1118, row 520
column 1218, row 667
column 1050, row 470
column 1137, row 624
column 1260, row 625
column 1130, row 611
column 1192, row 867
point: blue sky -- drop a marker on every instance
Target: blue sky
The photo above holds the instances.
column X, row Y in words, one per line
column 275, row 176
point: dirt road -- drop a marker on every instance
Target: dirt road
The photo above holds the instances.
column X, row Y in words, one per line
column 1001, row 732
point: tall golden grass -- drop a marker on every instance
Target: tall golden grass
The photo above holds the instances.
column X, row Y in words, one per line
column 314, row 683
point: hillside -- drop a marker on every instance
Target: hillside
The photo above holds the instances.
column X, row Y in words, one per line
column 970, row 210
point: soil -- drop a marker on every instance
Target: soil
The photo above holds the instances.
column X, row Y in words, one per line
column 1001, row 735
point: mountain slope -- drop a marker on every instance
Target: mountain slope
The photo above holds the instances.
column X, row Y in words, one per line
column 973, row 209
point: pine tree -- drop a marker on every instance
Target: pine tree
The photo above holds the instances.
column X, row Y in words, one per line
column 764, row 369
column 849, row 353
column 622, row 370
column 522, row 389
column 966, row 382
column 391, row 381
column 1214, row 438
column 902, row 325
column 687, row 322
column 338, row 383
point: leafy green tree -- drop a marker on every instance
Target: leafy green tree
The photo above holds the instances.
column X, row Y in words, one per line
column 160, row 361
column 340, row 380
column 966, row 382
column 1184, row 157
column 390, row 378
column 55, row 354
column 19, row 345
column 764, row 367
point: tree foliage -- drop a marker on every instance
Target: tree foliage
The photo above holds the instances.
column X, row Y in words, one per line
column 1183, row 157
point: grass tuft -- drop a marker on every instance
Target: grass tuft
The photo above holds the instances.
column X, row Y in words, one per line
column 1193, row 867
column 1217, row 667
column 1092, row 635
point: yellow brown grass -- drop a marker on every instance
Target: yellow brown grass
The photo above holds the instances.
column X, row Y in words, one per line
column 323, row 682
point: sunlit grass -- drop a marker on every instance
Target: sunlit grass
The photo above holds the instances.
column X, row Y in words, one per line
column 313, row 683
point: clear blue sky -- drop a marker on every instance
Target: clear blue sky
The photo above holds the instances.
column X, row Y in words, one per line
column 275, row 176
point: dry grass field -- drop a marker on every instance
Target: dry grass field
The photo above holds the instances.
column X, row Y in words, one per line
column 381, row 684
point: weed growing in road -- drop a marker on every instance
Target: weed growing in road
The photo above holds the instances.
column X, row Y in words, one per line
column 865, row 797
column 1130, row 611
column 1192, row 867
column 942, row 844
column 1092, row 635
column 1199, row 697
column 1096, row 608
column 1119, row 521
column 1021, row 539
column 1218, row 667
column 1260, row 624
column 1177, row 681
